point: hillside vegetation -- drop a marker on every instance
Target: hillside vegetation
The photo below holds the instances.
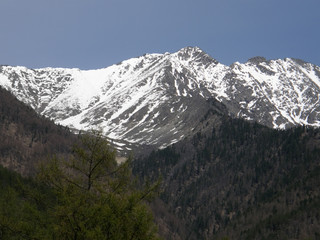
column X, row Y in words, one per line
column 88, row 196
column 27, row 138
column 228, row 179
column 239, row 180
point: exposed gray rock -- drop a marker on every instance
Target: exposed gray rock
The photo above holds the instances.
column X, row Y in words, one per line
column 157, row 99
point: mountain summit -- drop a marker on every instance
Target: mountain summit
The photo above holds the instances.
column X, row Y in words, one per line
column 157, row 99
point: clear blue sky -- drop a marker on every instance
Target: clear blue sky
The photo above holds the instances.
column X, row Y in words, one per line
column 90, row 34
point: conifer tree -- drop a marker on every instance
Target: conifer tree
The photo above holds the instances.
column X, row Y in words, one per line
column 96, row 197
column 89, row 196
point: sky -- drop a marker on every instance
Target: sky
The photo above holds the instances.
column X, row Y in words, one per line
column 92, row 34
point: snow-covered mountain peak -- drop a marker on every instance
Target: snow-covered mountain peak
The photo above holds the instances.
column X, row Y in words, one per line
column 158, row 99
column 257, row 60
column 189, row 52
column 194, row 54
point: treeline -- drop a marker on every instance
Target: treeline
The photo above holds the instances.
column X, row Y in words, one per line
column 241, row 180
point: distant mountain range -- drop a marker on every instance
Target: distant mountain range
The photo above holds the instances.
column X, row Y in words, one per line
column 158, row 99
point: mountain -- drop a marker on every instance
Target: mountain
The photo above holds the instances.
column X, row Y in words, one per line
column 223, row 176
column 157, row 99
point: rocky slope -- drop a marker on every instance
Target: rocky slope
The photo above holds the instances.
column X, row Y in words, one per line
column 157, row 99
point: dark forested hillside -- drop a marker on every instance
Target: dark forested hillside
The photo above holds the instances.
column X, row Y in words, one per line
column 26, row 138
column 238, row 180
column 89, row 196
column 228, row 179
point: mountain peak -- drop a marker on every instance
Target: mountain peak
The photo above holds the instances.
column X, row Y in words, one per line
column 194, row 54
column 154, row 99
column 189, row 51
column 257, row 60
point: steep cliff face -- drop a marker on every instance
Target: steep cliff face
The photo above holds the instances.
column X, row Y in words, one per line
column 157, row 99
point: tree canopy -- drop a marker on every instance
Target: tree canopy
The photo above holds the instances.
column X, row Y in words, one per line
column 89, row 196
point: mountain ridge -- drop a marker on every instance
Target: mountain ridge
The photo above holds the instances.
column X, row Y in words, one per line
column 222, row 176
column 156, row 99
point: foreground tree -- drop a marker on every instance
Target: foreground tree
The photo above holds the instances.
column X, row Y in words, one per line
column 91, row 197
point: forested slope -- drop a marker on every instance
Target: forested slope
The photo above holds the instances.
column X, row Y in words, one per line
column 87, row 197
column 228, row 178
column 240, row 180
column 27, row 138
